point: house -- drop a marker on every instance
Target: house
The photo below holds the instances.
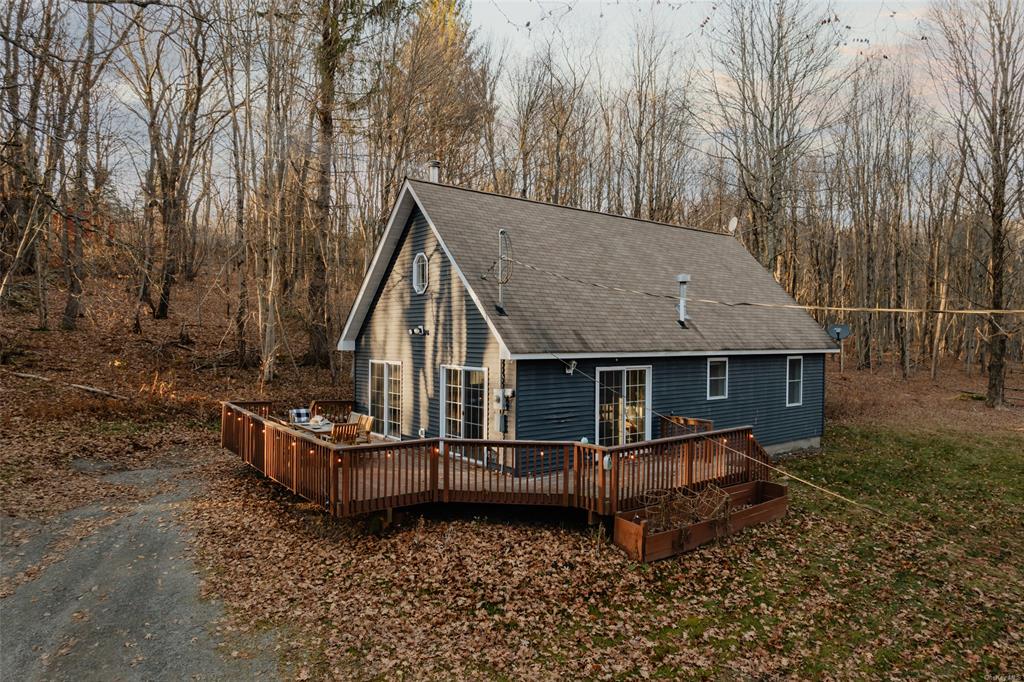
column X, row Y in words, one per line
column 587, row 342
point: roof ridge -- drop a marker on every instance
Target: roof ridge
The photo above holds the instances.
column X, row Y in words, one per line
column 566, row 206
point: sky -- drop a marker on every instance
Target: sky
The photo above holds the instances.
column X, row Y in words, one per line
column 519, row 26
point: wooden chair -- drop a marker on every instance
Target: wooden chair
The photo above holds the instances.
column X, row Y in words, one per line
column 365, row 423
column 357, row 429
column 347, row 433
column 335, row 410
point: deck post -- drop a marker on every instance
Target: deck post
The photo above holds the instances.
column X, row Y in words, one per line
column 346, row 482
column 295, row 464
column 601, row 486
column 577, row 465
column 434, row 449
column 565, row 475
column 748, row 447
column 224, row 425
column 614, row 494
column 332, row 469
column 689, row 462
column 447, row 475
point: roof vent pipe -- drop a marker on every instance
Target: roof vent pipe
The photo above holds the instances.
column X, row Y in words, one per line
column 683, row 280
column 434, row 171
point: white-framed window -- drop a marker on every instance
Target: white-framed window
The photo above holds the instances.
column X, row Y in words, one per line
column 386, row 398
column 622, row 410
column 718, row 378
column 420, row 272
column 463, row 402
column 794, row 380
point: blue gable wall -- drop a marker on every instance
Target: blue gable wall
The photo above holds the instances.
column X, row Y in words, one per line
column 553, row 405
column 457, row 333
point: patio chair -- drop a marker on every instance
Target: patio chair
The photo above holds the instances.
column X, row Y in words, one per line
column 299, row 415
column 365, row 423
column 347, row 433
column 355, row 430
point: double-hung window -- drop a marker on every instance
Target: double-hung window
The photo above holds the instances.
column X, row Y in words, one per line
column 794, row 381
column 386, row 398
column 623, row 405
column 718, row 378
column 463, row 395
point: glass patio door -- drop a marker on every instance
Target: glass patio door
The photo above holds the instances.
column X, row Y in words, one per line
column 622, row 405
column 465, row 389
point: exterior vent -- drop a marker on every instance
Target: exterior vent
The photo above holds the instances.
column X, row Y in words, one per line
column 683, row 280
column 434, row 171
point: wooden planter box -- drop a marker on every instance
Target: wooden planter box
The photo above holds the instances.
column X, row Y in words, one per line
column 768, row 501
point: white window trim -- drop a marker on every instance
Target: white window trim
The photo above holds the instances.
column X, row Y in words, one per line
column 418, row 286
column 707, row 393
column 369, row 395
column 647, row 396
column 801, row 401
column 443, row 394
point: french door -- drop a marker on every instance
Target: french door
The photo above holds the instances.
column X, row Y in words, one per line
column 623, row 405
column 386, row 398
column 463, row 395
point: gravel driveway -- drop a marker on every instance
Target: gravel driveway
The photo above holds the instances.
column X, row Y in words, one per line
column 121, row 604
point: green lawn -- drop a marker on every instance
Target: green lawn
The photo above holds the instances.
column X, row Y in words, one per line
column 930, row 585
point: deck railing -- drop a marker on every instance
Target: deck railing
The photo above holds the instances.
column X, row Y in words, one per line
column 675, row 425
column 347, row 480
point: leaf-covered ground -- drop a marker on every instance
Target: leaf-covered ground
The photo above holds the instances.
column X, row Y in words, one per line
column 928, row 586
column 932, row 588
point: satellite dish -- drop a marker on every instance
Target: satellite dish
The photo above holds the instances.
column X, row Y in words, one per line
column 839, row 331
column 733, row 222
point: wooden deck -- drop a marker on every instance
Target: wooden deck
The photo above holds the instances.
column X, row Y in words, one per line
column 349, row 480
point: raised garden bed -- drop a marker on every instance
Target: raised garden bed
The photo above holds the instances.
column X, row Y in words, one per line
column 751, row 503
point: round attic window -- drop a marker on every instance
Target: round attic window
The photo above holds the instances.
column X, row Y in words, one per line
column 419, row 273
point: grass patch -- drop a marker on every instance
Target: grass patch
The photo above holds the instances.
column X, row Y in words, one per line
column 932, row 586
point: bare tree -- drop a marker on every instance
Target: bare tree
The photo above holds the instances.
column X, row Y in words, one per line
column 169, row 72
column 772, row 92
column 984, row 84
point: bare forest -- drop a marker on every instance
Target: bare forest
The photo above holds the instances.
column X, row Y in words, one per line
column 261, row 144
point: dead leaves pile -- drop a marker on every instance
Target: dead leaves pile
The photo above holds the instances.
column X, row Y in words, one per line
column 472, row 598
column 51, row 467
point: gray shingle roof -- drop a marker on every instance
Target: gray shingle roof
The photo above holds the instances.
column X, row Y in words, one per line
column 546, row 312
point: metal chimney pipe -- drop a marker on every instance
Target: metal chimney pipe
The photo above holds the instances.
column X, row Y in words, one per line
column 435, row 171
column 683, row 280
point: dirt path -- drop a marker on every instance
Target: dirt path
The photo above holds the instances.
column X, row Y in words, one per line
column 121, row 604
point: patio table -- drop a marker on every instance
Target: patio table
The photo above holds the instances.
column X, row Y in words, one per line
column 322, row 430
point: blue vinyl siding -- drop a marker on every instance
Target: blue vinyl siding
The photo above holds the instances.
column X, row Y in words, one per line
column 457, row 333
column 553, row 405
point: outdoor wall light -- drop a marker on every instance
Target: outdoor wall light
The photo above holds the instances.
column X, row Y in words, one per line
column 418, row 330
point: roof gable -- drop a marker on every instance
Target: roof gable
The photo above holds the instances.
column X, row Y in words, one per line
column 376, row 275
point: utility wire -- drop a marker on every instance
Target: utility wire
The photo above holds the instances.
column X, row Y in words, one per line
column 794, row 306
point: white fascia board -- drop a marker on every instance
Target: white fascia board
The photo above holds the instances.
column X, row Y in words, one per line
column 665, row 354
column 503, row 352
column 381, row 258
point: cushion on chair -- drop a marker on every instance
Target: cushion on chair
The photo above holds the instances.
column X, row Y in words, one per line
column 299, row 415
